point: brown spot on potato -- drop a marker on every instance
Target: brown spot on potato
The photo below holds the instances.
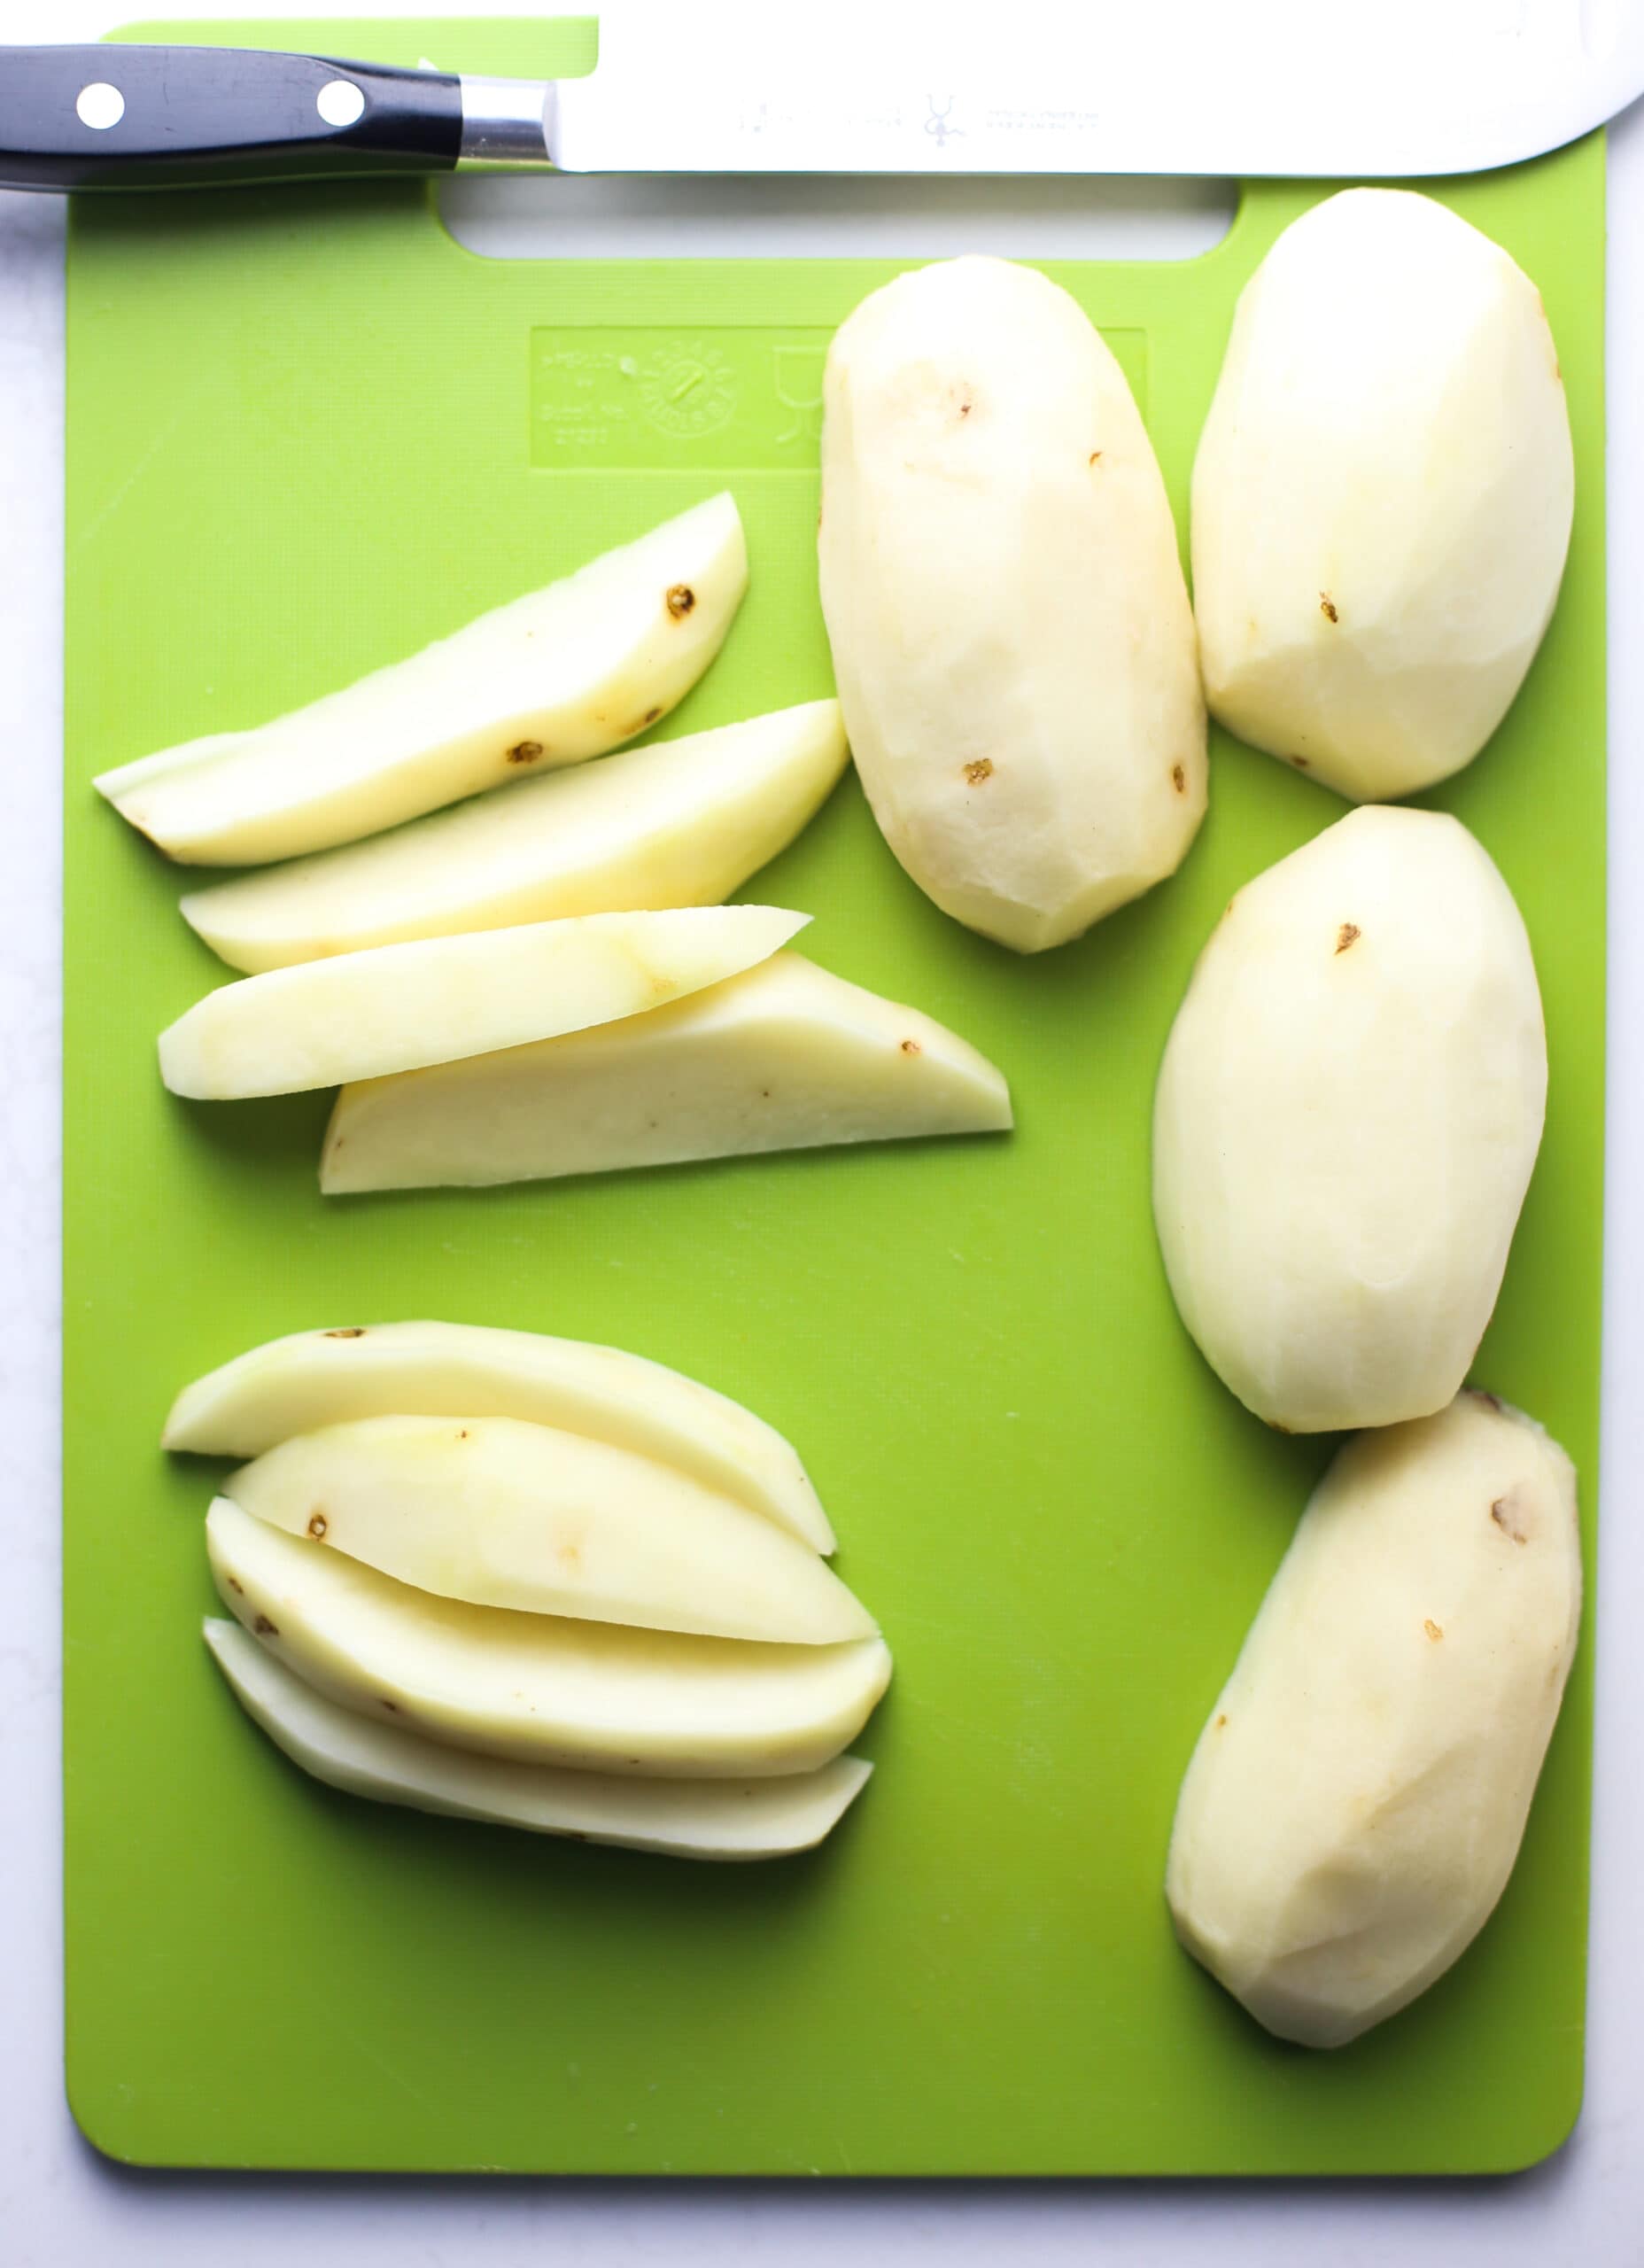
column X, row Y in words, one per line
column 393, row 1706
column 1094, row 457
column 1300, row 762
column 524, row 751
column 234, row 1584
column 355, row 1330
column 1507, row 1513
column 263, row 1628
column 1178, row 778
column 1220, row 1722
column 569, row 1554
column 1327, row 607
column 318, row 1525
column 910, row 1047
column 679, row 601
column 462, row 1432
column 1348, row 934
column 1279, row 1427
column 1432, row 1629
column 652, row 713
column 979, row 769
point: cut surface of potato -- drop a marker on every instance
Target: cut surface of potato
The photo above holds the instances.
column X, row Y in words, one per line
column 1382, row 495
column 686, row 1819
column 560, row 675
column 500, row 1512
column 680, row 822
column 397, row 1007
column 542, row 1688
column 1356, row 1801
column 1347, row 1114
column 1010, row 626
column 311, row 1378
column 786, row 1057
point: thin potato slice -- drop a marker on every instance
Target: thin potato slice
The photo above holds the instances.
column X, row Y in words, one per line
column 680, row 822
column 451, row 1370
column 551, row 678
column 786, row 1057
column 503, row 1513
column 397, row 1007
column 684, row 1819
column 539, row 1689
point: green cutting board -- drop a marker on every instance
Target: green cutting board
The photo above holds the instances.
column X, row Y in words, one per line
column 308, row 433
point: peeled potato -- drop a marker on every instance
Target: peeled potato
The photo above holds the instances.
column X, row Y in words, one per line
column 1356, row 1801
column 686, row 1819
column 312, row 1378
column 502, row 1512
column 1382, row 495
column 1348, row 1114
column 1011, row 629
column 536, row 1688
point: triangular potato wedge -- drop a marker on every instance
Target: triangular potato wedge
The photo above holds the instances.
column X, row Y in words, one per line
column 682, row 1819
column 680, row 822
column 785, row 1057
column 396, row 1008
column 590, row 1695
column 560, row 675
column 312, row 1378
column 502, row 1513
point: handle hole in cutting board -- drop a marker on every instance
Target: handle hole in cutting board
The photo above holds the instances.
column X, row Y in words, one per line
column 831, row 216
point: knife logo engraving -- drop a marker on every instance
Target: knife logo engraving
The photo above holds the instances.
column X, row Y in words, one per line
column 937, row 123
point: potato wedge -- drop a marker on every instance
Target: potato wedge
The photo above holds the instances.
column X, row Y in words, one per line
column 312, row 1378
column 500, row 1512
column 551, row 678
column 684, row 1819
column 542, row 1690
column 1010, row 625
column 785, row 1057
column 1382, row 495
column 681, row 822
column 1347, row 1118
column 1356, row 1801
column 397, row 1007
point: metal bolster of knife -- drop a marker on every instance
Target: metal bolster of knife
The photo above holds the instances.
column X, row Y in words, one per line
column 508, row 124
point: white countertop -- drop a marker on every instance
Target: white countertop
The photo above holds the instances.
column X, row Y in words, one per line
column 61, row 2206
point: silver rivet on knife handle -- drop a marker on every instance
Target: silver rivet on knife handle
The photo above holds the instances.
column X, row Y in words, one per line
column 505, row 122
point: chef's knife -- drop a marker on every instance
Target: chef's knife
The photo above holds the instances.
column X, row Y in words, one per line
column 1398, row 88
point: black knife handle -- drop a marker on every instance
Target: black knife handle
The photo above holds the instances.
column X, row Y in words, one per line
column 188, row 115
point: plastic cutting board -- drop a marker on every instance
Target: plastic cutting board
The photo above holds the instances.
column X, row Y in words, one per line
column 308, row 433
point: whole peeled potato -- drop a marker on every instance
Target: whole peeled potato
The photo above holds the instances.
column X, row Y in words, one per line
column 1356, row 1801
column 1010, row 631
column 1347, row 1113
column 1381, row 498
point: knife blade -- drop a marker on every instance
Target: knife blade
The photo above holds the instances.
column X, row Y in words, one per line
column 1398, row 87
